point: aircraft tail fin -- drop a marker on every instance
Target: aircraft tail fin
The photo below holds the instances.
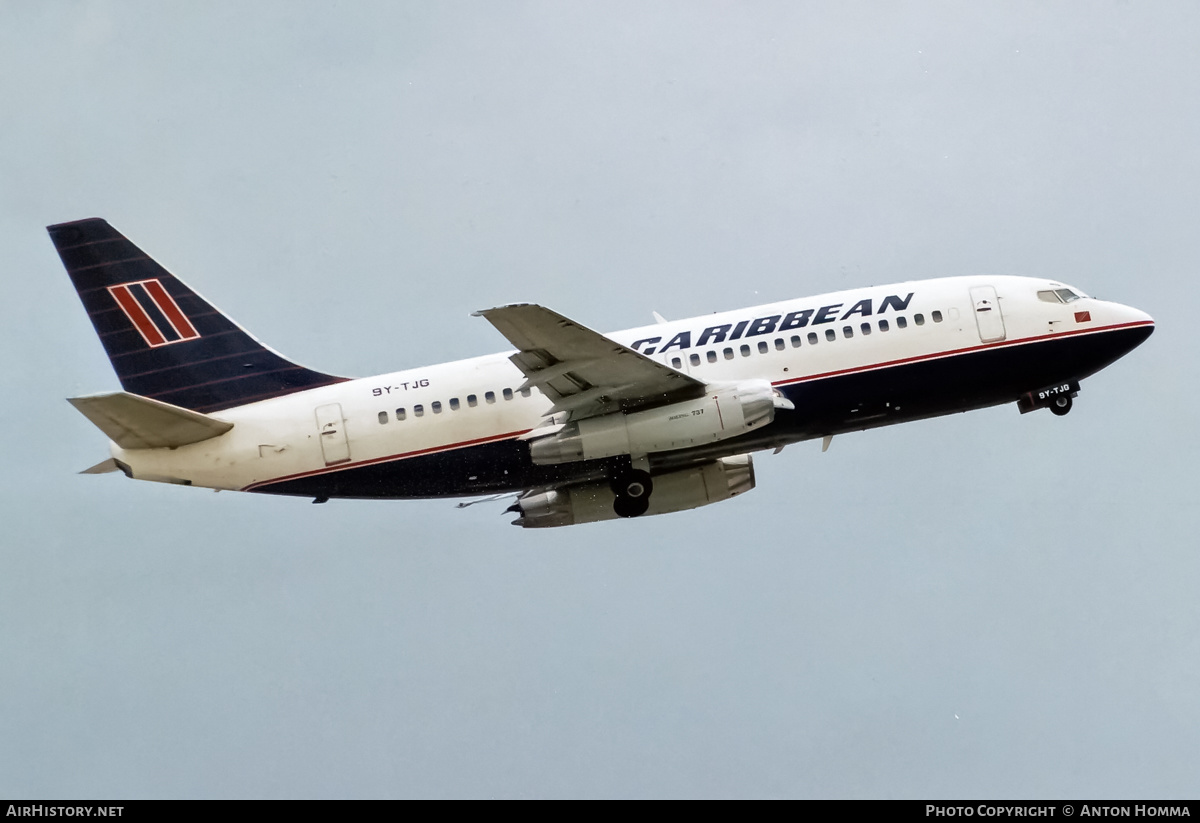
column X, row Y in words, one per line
column 134, row 422
column 164, row 341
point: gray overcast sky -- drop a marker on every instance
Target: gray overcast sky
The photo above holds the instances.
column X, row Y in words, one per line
column 984, row 605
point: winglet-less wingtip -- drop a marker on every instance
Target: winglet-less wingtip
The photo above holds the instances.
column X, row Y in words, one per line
column 103, row 467
column 486, row 312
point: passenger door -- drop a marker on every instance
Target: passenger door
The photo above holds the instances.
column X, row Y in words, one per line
column 987, row 314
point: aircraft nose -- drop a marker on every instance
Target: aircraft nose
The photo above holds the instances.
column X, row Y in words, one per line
column 1137, row 316
column 1136, row 325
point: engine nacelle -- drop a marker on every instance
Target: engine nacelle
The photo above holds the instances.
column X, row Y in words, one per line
column 725, row 411
column 673, row 492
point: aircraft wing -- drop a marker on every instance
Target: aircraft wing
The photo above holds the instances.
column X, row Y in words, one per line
column 583, row 372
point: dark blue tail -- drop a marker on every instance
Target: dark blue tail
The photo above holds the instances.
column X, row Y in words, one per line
column 164, row 340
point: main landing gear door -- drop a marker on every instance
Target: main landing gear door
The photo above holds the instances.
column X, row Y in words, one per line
column 332, row 427
column 987, row 314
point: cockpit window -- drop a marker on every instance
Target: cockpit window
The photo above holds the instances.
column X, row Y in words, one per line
column 1063, row 295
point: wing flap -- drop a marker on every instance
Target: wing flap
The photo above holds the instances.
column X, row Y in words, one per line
column 135, row 422
column 582, row 371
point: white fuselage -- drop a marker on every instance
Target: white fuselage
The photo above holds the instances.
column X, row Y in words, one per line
column 796, row 345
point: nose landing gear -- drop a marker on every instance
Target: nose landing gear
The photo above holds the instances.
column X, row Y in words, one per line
column 1058, row 399
column 1061, row 405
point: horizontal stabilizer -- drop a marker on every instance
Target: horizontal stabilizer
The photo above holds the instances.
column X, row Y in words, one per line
column 135, row 422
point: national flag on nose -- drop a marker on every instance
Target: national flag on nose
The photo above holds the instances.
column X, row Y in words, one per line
column 1083, row 317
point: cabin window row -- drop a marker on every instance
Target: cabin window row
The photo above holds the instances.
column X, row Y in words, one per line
column 454, row 404
column 796, row 340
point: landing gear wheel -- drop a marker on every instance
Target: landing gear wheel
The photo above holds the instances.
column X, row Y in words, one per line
column 634, row 484
column 632, row 488
column 631, row 506
column 1061, row 405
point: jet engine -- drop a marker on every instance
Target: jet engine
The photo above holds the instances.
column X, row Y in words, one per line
column 725, row 411
column 673, row 492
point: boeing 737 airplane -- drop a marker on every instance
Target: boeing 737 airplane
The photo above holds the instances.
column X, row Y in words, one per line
column 578, row 426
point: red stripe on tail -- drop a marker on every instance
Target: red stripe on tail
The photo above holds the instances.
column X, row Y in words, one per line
column 137, row 315
column 167, row 305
